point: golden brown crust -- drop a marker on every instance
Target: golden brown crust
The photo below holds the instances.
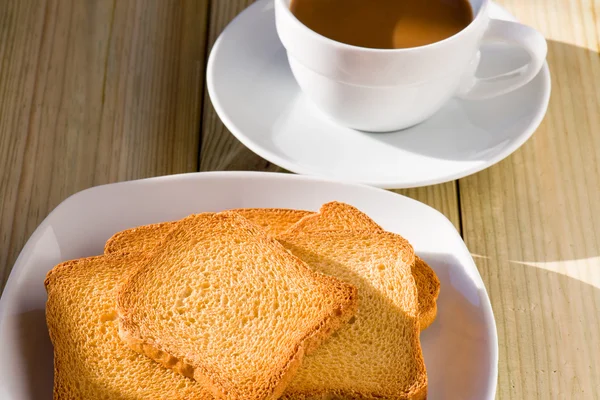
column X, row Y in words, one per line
column 428, row 286
column 139, row 239
column 65, row 266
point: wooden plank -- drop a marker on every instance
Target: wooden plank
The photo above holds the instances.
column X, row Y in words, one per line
column 93, row 92
column 533, row 222
column 220, row 150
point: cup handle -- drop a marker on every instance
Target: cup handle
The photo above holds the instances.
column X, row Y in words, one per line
column 499, row 31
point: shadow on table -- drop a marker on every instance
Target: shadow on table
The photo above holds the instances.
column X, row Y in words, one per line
column 555, row 176
column 548, row 328
column 572, row 117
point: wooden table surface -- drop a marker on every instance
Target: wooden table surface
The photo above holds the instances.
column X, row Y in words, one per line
column 93, row 92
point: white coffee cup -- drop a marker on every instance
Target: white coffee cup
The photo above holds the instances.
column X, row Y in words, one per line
column 382, row 90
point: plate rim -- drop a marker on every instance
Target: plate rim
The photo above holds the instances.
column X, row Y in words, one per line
column 295, row 167
column 488, row 313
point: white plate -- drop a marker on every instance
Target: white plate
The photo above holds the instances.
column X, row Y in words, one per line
column 461, row 347
column 253, row 91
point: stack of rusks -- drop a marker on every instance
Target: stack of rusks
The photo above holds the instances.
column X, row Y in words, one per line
column 244, row 304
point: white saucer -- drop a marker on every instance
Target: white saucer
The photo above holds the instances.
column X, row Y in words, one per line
column 256, row 96
column 460, row 347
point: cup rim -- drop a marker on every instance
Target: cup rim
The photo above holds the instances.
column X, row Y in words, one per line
column 482, row 11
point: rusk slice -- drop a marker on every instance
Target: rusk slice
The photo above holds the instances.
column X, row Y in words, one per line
column 91, row 362
column 337, row 216
column 377, row 355
column 222, row 302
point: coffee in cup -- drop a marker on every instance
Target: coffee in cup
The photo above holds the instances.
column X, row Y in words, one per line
column 384, row 24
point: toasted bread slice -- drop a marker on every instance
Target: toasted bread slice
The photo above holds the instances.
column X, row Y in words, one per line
column 222, row 302
column 337, row 216
column 377, row 355
column 145, row 238
column 90, row 360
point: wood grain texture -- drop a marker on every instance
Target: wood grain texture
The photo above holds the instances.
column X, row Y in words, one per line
column 222, row 151
column 443, row 198
column 93, row 92
column 533, row 222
